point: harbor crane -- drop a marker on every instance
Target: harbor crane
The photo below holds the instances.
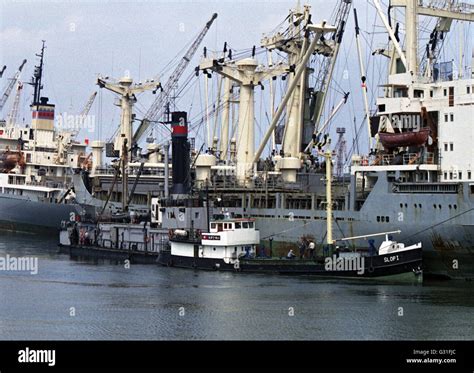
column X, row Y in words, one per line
column 85, row 111
column 13, row 115
column 89, row 104
column 11, row 84
column 160, row 104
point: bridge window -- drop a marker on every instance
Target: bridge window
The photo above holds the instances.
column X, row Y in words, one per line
column 460, row 175
column 451, row 146
column 469, row 175
column 251, row 224
column 446, row 118
column 445, row 147
column 452, row 117
column 419, row 93
column 238, row 226
column 468, row 89
column 245, row 225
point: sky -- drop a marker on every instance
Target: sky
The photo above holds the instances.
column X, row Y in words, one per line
column 115, row 38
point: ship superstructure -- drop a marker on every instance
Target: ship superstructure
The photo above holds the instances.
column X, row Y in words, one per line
column 36, row 161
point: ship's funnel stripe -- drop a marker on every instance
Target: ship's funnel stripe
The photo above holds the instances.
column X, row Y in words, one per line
column 43, row 115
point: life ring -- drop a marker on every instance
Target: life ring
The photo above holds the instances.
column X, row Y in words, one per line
column 365, row 162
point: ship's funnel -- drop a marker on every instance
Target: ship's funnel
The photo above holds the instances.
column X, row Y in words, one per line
column 42, row 115
column 180, row 152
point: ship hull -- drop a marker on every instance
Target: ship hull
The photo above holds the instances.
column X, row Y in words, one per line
column 24, row 215
column 403, row 265
column 94, row 252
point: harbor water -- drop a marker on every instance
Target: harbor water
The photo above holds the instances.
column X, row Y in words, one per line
column 76, row 299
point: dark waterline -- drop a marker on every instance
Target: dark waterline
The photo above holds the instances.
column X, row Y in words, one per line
column 112, row 302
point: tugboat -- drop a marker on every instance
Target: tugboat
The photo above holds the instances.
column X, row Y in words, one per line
column 231, row 244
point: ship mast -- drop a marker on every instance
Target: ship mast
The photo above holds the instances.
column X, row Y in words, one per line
column 411, row 37
column 363, row 79
column 245, row 74
column 328, row 157
column 38, row 76
column 413, row 9
column 126, row 91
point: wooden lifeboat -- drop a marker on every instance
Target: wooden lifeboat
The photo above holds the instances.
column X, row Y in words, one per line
column 403, row 139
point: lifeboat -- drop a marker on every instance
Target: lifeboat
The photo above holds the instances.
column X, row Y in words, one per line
column 9, row 160
column 403, row 139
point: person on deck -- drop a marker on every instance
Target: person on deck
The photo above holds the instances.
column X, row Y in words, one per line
column 302, row 247
column 291, row 255
column 311, row 249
